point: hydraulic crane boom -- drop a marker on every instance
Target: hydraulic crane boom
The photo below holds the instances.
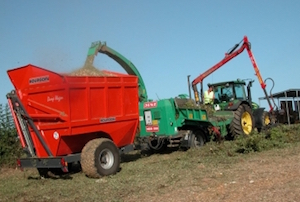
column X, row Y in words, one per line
column 228, row 56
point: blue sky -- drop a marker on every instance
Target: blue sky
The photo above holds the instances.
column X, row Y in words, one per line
column 165, row 39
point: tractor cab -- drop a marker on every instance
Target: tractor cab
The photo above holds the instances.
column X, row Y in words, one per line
column 230, row 93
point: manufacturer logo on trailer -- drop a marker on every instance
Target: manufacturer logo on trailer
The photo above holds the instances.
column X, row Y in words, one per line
column 109, row 119
column 150, row 104
column 56, row 98
column 38, row 80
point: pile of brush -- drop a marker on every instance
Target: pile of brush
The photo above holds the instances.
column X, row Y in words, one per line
column 88, row 70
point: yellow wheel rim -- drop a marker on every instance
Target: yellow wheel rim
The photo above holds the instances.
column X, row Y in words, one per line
column 267, row 120
column 246, row 122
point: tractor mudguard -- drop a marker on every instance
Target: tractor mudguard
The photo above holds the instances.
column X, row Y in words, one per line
column 235, row 105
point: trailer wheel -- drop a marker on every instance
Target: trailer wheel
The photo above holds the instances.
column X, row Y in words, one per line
column 197, row 139
column 242, row 123
column 100, row 157
column 265, row 120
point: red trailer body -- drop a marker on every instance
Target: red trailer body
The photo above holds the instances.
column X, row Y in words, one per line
column 69, row 111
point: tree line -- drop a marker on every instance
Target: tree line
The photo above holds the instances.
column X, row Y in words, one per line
column 10, row 146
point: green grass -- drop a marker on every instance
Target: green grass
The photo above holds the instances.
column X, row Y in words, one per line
column 149, row 176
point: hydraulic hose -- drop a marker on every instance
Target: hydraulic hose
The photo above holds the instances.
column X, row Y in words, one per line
column 271, row 96
column 159, row 144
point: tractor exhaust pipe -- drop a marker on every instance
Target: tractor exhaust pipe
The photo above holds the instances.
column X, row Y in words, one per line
column 189, row 86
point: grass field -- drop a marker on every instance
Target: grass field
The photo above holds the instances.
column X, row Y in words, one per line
column 215, row 172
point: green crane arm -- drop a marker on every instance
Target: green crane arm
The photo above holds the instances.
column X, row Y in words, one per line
column 127, row 65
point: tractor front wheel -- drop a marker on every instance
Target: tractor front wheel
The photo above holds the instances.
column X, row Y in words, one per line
column 242, row 123
column 100, row 157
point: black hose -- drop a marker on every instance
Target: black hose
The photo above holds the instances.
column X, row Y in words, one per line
column 159, row 144
column 234, row 47
column 271, row 96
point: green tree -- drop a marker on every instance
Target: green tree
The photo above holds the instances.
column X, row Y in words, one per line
column 10, row 147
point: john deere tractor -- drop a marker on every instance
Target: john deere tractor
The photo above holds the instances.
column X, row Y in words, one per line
column 232, row 96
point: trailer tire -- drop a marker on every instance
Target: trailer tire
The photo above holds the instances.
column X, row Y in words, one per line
column 100, row 157
column 243, row 121
column 266, row 120
column 197, row 139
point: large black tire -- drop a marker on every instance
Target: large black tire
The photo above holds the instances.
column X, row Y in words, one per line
column 100, row 157
column 265, row 120
column 243, row 121
column 197, row 139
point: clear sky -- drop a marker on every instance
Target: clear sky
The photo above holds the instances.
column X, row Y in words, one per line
column 165, row 39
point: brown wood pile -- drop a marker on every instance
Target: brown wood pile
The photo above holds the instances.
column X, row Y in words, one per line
column 88, row 71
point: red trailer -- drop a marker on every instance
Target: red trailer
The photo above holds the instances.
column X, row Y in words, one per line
column 63, row 119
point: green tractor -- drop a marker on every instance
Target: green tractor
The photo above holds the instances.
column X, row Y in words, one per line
column 232, row 96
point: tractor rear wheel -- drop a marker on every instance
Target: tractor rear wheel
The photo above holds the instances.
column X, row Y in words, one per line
column 100, row 157
column 243, row 121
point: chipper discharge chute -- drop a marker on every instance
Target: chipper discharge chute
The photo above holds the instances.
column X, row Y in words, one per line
column 62, row 119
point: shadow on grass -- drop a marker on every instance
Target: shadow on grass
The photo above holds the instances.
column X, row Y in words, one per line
column 138, row 154
column 57, row 173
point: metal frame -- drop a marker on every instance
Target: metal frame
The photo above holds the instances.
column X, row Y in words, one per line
column 286, row 95
column 48, row 162
column 23, row 121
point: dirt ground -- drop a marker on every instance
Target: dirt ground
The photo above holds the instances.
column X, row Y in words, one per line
column 271, row 176
column 266, row 177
